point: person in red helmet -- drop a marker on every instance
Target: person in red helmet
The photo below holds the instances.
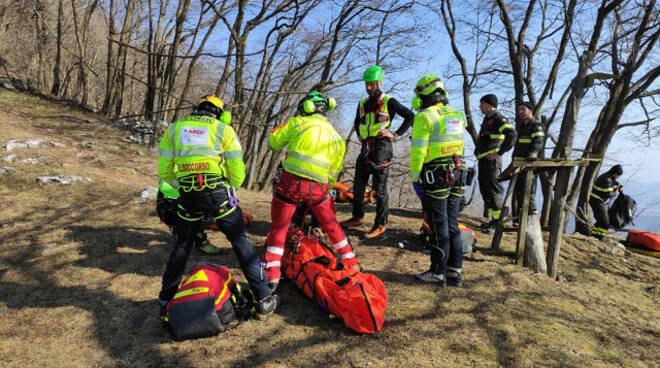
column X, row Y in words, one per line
column 314, row 157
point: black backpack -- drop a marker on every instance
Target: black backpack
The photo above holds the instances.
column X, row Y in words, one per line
column 621, row 211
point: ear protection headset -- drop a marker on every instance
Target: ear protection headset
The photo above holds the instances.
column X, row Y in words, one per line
column 308, row 105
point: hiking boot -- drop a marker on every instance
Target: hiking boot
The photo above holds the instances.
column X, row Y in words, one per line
column 431, row 277
column 455, row 280
column 375, row 231
column 272, row 285
column 162, row 312
column 267, row 306
column 488, row 228
column 352, row 222
column 207, row 248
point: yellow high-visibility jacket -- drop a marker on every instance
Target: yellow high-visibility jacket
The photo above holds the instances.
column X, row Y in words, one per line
column 314, row 148
column 200, row 144
column 437, row 133
column 371, row 122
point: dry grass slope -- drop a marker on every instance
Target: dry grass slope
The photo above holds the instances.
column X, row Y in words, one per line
column 80, row 270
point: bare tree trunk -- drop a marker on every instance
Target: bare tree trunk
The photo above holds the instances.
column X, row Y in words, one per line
column 41, row 38
column 170, row 70
column 114, row 82
column 622, row 90
column 55, row 90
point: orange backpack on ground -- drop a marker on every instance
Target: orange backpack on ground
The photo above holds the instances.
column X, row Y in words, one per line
column 359, row 299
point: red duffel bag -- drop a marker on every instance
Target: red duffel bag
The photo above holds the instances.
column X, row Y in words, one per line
column 359, row 299
column 647, row 239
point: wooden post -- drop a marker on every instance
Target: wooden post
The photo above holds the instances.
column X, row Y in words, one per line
column 524, row 213
column 557, row 220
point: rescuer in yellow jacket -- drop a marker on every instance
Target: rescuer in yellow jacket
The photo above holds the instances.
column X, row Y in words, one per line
column 314, row 157
column 201, row 157
column 436, row 164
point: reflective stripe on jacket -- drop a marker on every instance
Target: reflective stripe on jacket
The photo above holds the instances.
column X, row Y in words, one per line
column 530, row 139
column 168, row 191
column 373, row 121
column 437, row 133
column 314, row 148
column 200, row 144
column 495, row 136
column 604, row 187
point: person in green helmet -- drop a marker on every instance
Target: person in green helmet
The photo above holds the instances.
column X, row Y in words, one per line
column 436, row 171
column 372, row 122
column 166, row 208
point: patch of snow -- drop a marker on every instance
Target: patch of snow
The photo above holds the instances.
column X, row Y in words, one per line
column 14, row 144
column 31, row 160
column 146, row 195
column 62, row 179
column 29, row 143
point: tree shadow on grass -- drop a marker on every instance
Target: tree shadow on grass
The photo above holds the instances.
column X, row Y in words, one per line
column 128, row 330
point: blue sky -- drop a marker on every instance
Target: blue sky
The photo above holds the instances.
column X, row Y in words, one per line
column 640, row 159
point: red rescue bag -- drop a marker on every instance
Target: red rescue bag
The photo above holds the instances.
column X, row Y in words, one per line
column 359, row 299
column 644, row 238
column 203, row 305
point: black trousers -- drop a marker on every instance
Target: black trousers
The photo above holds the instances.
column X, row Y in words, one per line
column 446, row 243
column 491, row 189
column 518, row 195
column 363, row 170
column 602, row 217
column 211, row 202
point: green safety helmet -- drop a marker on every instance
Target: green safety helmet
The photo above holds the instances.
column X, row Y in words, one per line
column 373, row 74
column 425, row 86
column 309, row 103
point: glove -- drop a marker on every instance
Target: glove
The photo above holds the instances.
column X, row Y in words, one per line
column 233, row 199
column 419, row 190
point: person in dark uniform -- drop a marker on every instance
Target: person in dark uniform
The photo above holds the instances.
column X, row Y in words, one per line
column 496, row 137
column 528, row 147
column 372, row 121
column 605, row 187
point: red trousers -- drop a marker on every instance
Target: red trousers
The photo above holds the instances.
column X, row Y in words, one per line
column 291, row 192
